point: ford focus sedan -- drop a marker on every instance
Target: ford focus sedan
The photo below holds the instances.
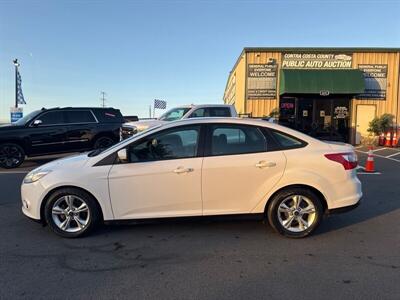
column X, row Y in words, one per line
column 198, row 167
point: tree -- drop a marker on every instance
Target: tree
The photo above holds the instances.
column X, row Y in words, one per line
column 381, row 124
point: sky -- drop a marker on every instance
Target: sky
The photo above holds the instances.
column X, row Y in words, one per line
column 178, row 51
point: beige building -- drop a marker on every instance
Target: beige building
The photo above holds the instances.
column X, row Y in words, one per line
column 330, row 93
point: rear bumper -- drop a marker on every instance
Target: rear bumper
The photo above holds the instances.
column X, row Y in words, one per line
column 344, row 208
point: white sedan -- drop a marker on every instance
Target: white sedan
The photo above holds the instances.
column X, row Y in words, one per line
column 198, row 167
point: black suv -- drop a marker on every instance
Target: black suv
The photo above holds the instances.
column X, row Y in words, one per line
column 58, row 130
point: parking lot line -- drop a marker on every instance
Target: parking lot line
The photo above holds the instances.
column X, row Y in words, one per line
column 393, row 154
column 381, row 156
column 380, row 149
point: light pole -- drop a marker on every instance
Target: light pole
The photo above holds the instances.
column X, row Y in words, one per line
column 16, row 64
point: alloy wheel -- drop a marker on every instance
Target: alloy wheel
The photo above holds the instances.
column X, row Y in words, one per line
column 10, row 156
column 296, row 213
column 70, row 213
column 103, row 142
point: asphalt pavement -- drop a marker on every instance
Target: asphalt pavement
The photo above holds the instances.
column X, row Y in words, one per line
column 355, row 255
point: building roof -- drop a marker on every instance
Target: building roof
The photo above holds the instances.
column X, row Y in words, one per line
column 320, row 49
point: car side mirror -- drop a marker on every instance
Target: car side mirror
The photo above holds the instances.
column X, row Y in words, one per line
column 122, row 154
column 37, row 122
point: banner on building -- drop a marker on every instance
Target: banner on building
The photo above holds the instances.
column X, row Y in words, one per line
column 16, row 113
column 316, row 60
column 261, row 81
column 375, row 77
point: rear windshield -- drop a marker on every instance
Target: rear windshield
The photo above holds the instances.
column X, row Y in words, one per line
column 108, row 115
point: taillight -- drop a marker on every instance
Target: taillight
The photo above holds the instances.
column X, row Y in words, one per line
column 348, row 160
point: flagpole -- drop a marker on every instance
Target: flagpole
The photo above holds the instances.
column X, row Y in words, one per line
column 16, row 80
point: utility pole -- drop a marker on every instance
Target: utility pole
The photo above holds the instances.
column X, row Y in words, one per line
column 103, row 99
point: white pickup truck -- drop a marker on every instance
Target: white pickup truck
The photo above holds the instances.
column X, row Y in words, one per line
column 177, row 113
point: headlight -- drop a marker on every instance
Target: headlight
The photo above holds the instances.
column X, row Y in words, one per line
column 35, row 175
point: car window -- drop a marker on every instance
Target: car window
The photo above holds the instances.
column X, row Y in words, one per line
column 170, row 144
column 80, row 116
column 287, row 141
column 198, row 113
column 52, row 118
column 211, row 112
column 219, row 112
column 174, row 114
column 236, row 139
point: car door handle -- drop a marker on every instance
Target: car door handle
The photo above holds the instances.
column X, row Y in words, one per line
column 180, row 170
column 265, row 164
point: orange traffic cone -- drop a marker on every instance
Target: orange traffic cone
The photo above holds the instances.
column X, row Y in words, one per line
column 388, row 141
column 394, row 139
column 370, row 165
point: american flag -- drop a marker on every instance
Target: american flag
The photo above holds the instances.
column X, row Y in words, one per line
column 20, row 95
column 160, row 104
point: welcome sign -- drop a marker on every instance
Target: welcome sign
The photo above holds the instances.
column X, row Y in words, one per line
column 261, row 81
column 292, row 60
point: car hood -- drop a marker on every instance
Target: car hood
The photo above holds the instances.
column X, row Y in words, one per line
column 9, row 127
column 142, row 125
column 73, row 161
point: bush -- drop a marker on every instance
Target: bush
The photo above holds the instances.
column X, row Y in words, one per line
column 381, row 124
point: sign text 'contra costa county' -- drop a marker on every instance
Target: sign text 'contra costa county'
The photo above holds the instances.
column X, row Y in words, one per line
column 316, row 61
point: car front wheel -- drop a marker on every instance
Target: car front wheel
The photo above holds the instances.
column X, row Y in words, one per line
column 11, row 155
column 295, row 212
column 71, row 212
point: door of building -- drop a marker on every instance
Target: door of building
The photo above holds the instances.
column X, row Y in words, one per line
column 320, row 117
column 365, row 113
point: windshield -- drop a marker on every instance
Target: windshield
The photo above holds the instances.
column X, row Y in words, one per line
column 27, row 118
column 101, row 150
column 174, row 114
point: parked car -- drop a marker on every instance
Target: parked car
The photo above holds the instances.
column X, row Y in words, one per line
column 198, row 167
column 58, row 130
column 178, row 113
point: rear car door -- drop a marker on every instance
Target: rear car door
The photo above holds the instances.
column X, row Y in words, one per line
column 50, row 135
column 81, row 128
column 238, row 170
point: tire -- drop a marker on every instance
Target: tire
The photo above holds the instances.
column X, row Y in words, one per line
column 103, row 142
column 83, row 212
column 11, row 155
column 295, row 212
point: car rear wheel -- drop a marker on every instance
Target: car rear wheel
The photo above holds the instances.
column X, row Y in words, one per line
column 103, row 142
column 295, row 212
column 72, row 212
column 11, row 155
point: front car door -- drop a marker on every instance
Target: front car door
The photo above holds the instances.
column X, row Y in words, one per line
column 238, row 169
column 161, row 176
column 49, row 135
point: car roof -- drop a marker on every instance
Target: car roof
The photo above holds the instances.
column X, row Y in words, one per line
column 202, row 105
column 243, row 121
column 77, row 108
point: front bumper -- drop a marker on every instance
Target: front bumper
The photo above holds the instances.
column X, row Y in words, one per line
column 32, row 195
column 127, row 132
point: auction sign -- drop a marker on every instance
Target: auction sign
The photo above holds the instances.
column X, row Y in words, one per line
column 316, row 60
column 261, row 81
column 375, row 77
column 16, row 113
